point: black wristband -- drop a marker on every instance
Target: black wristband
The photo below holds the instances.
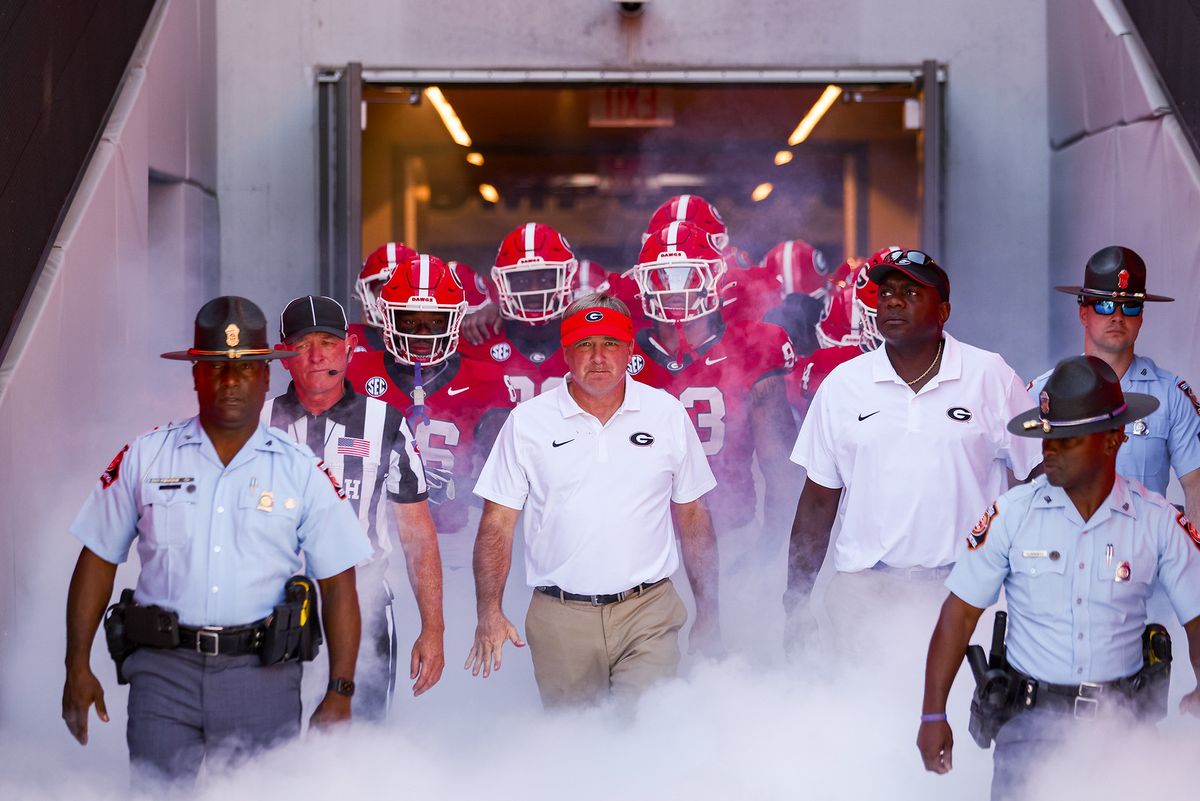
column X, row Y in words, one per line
column 341, row 687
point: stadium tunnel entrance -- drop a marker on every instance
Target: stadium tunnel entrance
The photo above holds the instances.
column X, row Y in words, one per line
column 450, row 161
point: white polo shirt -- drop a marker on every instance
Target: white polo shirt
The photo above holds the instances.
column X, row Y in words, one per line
column 918, row 469
column 597, row 498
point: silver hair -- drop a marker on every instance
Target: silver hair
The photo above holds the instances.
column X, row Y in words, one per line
column 602, row 300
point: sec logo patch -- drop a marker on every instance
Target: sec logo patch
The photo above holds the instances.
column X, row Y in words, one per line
column 501, row 351
column 376, row 386
column 636, row 364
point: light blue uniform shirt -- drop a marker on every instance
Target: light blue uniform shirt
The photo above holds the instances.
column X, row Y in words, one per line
column 1076, row 609
column 217, row 543
column 1168, row 438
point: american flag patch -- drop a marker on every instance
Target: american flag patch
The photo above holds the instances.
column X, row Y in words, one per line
column 350, row 446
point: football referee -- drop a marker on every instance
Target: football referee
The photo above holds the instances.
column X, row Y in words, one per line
column 367, row 444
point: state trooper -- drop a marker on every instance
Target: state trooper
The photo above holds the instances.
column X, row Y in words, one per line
column 222, row 508
column 1076, row 551
column 1111, row 303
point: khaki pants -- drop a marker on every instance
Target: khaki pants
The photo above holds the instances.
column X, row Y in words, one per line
column 582, row 652
column 871, row 614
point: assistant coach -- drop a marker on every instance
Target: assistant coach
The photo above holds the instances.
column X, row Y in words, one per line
column 599, row 465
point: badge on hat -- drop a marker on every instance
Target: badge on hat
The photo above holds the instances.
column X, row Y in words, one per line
column 1044, row 402
column 233, row 335
column 1123, row 279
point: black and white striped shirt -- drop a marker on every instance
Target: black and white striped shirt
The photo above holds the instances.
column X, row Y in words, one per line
column 358, row 423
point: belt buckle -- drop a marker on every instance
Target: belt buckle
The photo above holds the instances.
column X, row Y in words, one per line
column 208, row 635
column 595, row 599
column 1086, row 707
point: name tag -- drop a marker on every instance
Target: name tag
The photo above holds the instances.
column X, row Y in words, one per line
column 1035, row 554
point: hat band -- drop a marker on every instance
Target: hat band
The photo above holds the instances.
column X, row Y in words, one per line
column 1046, row 425
column 1120, row 293
column 596, row 321
column 232, row 353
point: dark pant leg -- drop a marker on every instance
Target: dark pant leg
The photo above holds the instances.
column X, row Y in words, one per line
column 165, row 728
column 249, row 706
column 375, row 677
column 1022, row 745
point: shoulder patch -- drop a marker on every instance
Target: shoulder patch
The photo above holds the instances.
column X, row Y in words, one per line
column 1191, row 396
column 1188, row 528
column 113, row 471
column 978, row 535
column 341, row 493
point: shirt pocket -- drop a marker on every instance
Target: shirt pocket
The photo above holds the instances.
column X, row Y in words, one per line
column 1126, row 597
column 169, row 517
column 266, row 526
column 1043, row 580
column 1145, row 456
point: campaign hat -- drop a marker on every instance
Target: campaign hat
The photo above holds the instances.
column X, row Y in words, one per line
column 1114, row 273
column 230, row 328
column 1082, row 396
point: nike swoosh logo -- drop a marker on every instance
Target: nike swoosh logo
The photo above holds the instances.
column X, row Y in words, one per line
column 560, row 444
column 862, row 417
column 711, row 362
column 459, row 391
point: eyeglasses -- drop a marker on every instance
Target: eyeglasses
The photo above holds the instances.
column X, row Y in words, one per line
column 904, row 257
column 1105, row 308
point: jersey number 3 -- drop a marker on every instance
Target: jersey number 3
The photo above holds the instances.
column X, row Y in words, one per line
column 707, row 407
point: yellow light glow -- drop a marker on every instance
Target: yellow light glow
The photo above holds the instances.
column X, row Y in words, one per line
column 489, row 193
column 762, row 192
column 814, row 115
column 446, row 111
column 475, row 158
column 783, row 157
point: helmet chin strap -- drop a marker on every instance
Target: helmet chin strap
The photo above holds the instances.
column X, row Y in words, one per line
column 416, row 414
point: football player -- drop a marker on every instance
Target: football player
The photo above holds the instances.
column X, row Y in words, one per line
column 534, row 273
column 728, row 374
column 455, row 406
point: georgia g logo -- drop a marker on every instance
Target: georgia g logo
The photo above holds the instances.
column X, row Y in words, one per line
column 958, row 413
column 642, row 439
column 594, row 316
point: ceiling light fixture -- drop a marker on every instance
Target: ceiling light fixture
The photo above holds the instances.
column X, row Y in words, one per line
column 762, row 192
column 446, row 111
column 475, row 158
column 814, row 115
column 489, row 193
column 783, row 157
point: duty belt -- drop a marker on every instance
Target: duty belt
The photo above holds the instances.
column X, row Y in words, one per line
column 1082, row 700
column 598, row 600
column 217, row 640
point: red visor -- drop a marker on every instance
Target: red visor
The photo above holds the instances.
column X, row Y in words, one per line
column 596, row 322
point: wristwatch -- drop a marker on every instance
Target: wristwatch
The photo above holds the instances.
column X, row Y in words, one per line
column 341, row 687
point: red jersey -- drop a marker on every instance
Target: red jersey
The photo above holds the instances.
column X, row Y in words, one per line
column 463, row 400
column 749, row 294
column 810, row 371
column 714, row 386
column 528, row 356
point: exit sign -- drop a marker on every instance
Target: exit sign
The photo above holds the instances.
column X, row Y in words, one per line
column 631, row 107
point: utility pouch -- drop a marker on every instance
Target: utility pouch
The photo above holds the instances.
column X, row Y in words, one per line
column 997, row 697
column 119, row 645
column 1151, row 685
column 152, row 626
column 293, row 631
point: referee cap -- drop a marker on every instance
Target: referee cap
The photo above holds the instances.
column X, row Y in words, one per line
column 230, row 328
column 312, row 313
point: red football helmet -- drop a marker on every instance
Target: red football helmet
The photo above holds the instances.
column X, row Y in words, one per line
column 800, row 268
column 677, row 273
column 376, row 271
column 695, row 210
column 533, row 273
column 590, row 278
column 422, row 307
column 848, row 319
column 478, row 290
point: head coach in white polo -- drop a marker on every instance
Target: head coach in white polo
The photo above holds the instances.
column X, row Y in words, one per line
column 599, row 465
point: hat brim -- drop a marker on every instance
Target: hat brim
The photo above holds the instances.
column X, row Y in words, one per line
column 1138, row 405
column 1092, row 293
column 188, row 356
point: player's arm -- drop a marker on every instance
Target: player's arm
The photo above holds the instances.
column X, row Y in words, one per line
column 774, row 431
column 698, row 544
column 492, row 561
column 91, row 587
column 946, row 648
column 418, row 539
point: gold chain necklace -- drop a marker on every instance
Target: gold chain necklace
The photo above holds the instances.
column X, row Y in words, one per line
column 936, row 356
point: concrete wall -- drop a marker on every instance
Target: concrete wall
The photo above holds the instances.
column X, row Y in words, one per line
column 997, row 188
column 1122, row 172
column 132, row 263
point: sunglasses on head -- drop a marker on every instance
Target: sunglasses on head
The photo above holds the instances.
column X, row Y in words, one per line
column 905, row 257
column 1130, row 308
